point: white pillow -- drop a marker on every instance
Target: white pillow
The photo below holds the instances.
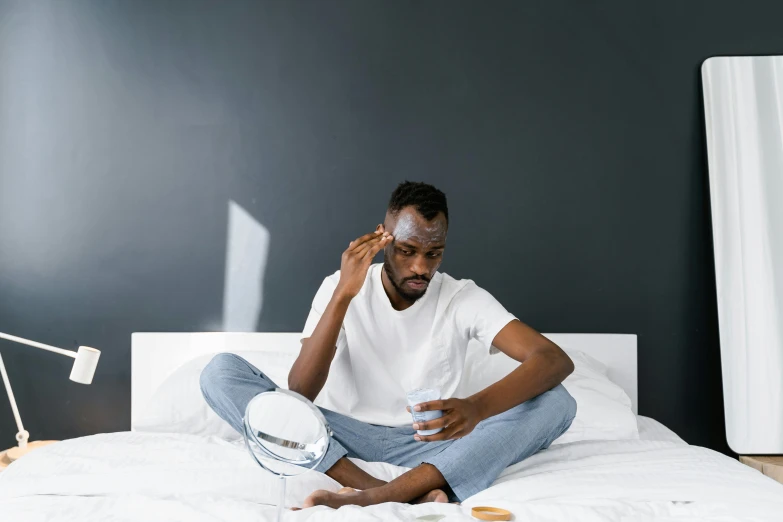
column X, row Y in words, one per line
column 177, row 406
column 603, row 409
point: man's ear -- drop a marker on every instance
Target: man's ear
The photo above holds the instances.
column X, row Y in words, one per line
column 380, row 228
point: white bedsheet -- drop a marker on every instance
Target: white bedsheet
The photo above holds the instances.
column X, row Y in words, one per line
column 651, row 429
column 167, row 477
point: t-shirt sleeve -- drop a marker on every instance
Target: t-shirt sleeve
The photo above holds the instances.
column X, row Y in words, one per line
column 480, row 315
column 320, row 301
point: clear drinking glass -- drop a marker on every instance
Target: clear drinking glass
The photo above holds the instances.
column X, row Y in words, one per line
column 425, row 395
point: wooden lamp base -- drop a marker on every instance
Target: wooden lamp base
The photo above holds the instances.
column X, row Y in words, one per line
column 16, row 452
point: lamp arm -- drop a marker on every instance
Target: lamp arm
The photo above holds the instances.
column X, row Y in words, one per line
column 84, row 361
column 22, row 434
column 38, row 345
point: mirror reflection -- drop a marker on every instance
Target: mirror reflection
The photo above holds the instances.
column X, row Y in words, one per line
column 285, row 433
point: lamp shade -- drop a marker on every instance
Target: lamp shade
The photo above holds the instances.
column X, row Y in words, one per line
column 85, row 364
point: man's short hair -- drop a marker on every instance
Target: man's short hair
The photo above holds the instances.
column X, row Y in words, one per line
column 427, row 200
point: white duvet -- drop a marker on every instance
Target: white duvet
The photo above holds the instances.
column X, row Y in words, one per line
column 168, row 477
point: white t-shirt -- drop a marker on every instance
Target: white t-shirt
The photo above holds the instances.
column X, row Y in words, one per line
column 383, row 353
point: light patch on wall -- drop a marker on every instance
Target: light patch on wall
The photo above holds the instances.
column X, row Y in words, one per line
column 247, row 250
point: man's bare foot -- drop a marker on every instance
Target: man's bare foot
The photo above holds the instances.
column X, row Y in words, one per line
column 336, row 500
column 341, row 491
column 436, row 495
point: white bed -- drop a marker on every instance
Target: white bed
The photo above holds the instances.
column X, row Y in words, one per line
column 173, row 476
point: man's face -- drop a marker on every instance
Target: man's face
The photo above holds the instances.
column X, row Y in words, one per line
column 416, row 252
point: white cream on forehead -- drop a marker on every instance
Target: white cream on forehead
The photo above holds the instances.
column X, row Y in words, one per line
column 406, row 229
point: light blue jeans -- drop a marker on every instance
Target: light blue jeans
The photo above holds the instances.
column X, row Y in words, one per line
column 469, row 465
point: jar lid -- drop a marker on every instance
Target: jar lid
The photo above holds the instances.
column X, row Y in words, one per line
column 490, row 513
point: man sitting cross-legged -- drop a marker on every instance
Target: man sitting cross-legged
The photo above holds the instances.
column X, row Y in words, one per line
column 379, row 331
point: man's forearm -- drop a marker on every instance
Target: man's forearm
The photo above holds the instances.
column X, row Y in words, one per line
column 539, row 373
column 309, row 372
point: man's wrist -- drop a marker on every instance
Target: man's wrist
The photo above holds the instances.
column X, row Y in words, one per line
column 341, row 296
column 479, row 402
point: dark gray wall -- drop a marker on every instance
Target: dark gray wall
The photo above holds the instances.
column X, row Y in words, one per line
column 567, row 135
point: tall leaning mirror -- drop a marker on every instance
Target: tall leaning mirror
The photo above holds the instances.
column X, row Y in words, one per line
column 743, row 99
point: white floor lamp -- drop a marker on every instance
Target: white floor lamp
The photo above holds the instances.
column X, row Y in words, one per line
column 86, row 360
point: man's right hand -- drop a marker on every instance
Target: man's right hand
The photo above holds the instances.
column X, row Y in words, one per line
column 357, row 259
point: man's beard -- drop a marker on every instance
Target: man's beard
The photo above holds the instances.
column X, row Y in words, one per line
column 406, row 294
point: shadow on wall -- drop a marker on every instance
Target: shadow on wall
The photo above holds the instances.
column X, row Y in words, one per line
column 247, row 251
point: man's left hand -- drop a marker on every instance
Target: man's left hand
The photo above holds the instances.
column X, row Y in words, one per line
column 459, row 418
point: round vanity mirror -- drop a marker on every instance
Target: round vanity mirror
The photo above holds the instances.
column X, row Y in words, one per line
column 286, row 434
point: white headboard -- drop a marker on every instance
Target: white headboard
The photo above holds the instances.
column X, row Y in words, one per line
column 154, row 356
